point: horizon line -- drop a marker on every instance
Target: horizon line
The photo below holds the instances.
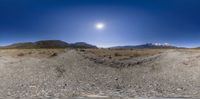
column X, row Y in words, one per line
column 97, row 45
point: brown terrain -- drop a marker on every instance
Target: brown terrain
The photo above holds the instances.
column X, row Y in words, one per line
column 136, row 73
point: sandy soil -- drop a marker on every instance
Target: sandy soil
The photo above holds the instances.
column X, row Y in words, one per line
column 70, row 73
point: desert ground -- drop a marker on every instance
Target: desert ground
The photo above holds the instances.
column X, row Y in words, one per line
column 133, row 73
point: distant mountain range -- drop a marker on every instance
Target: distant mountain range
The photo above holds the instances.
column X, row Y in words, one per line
column 62, row 44
column 50, row 44
column 147, row 45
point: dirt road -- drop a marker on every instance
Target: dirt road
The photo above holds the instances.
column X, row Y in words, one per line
column 173, row 73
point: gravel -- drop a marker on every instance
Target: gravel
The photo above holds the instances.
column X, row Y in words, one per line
column 170, row 74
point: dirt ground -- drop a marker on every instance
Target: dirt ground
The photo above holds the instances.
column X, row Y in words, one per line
column 60, row 73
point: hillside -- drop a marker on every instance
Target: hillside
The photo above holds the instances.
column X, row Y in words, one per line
column 49, row 44
column 82, row 45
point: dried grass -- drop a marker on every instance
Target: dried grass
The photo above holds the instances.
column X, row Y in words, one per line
column 123, row 54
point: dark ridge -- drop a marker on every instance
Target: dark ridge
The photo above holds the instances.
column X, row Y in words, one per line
column 82, row 45
column 48, row 44
column 51, row 44
column 21, row 45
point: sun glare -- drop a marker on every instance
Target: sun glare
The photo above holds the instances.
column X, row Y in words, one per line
column 100, row 26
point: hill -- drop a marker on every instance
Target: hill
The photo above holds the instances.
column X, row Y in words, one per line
column 49, row 44
column 82, row 45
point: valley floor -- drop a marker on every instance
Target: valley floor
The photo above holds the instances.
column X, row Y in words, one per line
column 61, row 73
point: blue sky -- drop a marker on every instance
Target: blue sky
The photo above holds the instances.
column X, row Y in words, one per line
column 127, row 22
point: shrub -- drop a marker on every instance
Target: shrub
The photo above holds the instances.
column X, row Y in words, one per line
column 20, row 54
column 54, row 54
column 117, row 54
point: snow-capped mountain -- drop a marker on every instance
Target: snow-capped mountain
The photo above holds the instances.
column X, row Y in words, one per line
column 149, row 45
column 158, row 44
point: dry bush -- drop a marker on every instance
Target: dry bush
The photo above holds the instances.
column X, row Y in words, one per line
column 117, row 54
column 53, row 54
column 123, row 54
column 192, row 50
column 31, row 52
column 20, row 54
column 82, row 50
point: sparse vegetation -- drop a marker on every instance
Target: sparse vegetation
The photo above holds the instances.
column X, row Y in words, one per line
column 117, row 54
column 132, row 72
column 32, row 52
column 20, row 54
column 123, row 54
column 53, row 54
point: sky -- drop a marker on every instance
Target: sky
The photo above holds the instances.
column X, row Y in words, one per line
column 126, row 22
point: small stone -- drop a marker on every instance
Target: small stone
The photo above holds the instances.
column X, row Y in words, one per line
column 179, row 89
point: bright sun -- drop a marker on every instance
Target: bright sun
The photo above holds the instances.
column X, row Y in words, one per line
column 100, row 26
